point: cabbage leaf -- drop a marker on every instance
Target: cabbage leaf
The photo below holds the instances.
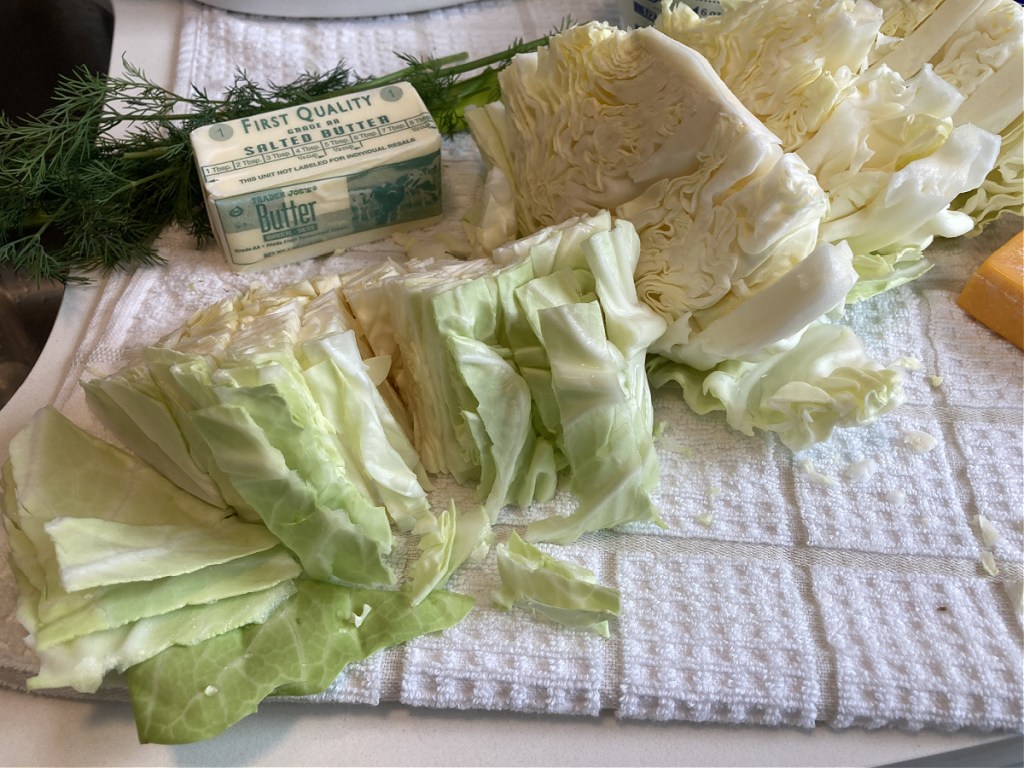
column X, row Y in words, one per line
column 190, row 693
column 802, row 394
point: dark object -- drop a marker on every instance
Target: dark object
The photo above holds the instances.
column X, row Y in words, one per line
column 1005, row 753
column 40, row 40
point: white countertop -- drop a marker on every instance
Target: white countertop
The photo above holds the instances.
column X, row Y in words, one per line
column 43, row 730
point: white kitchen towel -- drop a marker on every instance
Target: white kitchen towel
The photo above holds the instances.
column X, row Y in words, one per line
column 785, row 590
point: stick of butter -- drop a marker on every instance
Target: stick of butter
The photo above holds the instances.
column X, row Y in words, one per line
column 305, row 181
column 994, row 294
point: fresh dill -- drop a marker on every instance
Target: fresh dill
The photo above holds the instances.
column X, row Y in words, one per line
column 88, row 185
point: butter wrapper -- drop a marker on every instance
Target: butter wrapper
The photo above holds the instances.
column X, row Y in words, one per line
column 309, row 180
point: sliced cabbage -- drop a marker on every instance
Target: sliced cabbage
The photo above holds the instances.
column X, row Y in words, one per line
column 720, row 209
column 488, row 359
column 788, row 63
column 394, row 305
column 83, row 662
column 729, row 223
column 270, row 404
column 773, row 318
column 614, row 468
column 85, row 520
column 893, row 162
column 66, row 616
column 93, row 552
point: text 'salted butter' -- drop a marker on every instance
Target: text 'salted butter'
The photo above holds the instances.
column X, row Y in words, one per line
column 305, row 181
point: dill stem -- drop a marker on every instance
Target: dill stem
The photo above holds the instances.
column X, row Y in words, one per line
column 136, row 183
column 395, row 77
column 152, row 177
column 143, row 117
column 146, row 154
column 494, row 58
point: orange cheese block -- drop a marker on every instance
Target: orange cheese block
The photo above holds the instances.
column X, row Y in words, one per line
column 994, row 294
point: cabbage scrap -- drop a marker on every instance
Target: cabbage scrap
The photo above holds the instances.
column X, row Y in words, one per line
column 455, row 537
column 552, row 588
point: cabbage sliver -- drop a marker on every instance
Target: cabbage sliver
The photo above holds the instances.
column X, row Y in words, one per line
column 63, row 617
column 95, row 480
column 341, row 384
column 551, row 588
column 187, row 694
column 133, row 407
column 92, row 552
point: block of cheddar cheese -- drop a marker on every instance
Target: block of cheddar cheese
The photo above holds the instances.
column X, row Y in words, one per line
column 994, row 294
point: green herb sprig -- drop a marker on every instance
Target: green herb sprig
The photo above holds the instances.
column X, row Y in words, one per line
column 88, row 185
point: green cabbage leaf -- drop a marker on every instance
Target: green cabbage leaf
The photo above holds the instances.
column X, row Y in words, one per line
column 191, row 693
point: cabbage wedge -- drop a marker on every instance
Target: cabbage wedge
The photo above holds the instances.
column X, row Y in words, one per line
column 730, row 225
column 907, row 112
